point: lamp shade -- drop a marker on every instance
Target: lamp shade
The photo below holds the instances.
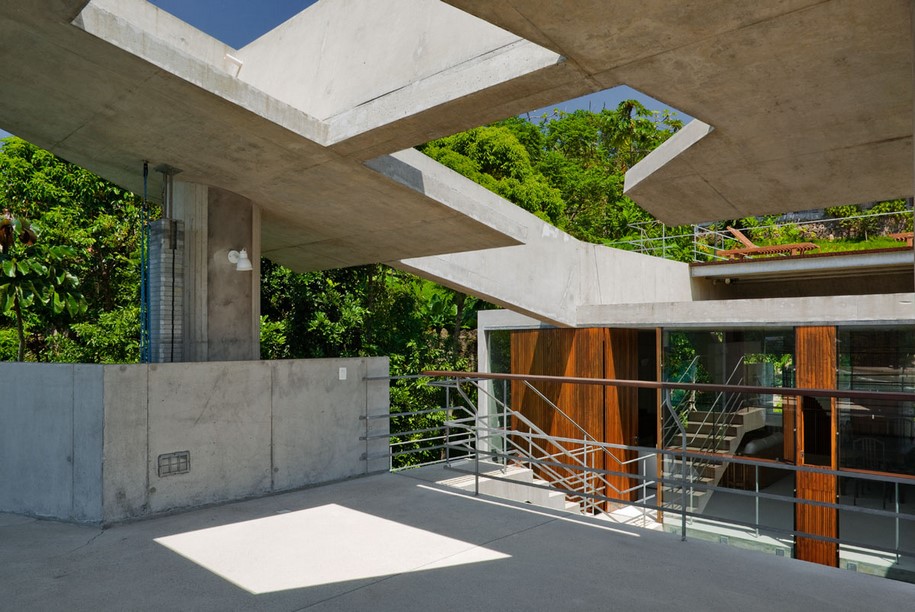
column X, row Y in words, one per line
column 241, row 261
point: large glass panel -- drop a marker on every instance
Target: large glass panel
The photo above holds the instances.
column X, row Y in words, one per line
column 718, row 426
column 762, row 358
column 877, row 435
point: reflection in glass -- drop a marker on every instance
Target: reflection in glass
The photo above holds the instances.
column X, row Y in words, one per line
column 877, row 435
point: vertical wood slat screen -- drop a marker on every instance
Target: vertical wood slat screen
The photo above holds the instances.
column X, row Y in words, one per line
column 621, row 406
column 816, row 368
column 606, row 413
column 559, row 352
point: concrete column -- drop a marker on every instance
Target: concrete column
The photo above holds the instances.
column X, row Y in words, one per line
column 202, row 308
column 233, row 298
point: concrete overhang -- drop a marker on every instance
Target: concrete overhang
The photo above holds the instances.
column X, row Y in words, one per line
column 803, row 103
column 870, row 310
column 826, row 265
column 109, row 84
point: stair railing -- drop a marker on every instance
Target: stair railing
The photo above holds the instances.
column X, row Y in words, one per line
column 622, row 464
column 591, row 480
column 711, row 409
column 686, row 404
column 580, row 459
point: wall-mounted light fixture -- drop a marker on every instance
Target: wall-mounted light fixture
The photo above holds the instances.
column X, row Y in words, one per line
column 241, row 261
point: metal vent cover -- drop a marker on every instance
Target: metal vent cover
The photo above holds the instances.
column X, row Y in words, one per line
column 171, row 464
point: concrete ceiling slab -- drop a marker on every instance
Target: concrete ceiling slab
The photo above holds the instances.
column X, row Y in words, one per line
column 810, row 101
column 802, row 103
column 109, row 84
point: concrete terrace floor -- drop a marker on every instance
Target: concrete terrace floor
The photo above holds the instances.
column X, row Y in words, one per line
column 397, row 542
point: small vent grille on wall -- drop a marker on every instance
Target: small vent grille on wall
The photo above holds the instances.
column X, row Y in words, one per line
column 174, row 463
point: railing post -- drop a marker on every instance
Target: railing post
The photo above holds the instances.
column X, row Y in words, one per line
column 896, row 518
column 683, row 494
column 756, row 497
column 447, row 443
column 476, row 459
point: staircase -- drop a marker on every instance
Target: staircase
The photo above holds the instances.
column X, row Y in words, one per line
column 713, row 433
column 513, row 482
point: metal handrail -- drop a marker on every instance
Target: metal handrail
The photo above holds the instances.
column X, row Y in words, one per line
column 588, row 437
column 587, row 484
column 531, row 425
column 578, row 476
column 700, row 234
column 542, row 457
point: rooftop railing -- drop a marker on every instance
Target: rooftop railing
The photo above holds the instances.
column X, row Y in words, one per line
column 479, row 427
column 704, row 240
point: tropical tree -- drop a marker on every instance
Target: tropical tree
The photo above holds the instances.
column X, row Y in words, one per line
column 33, row 272
column 567, row 169
column 90, row 230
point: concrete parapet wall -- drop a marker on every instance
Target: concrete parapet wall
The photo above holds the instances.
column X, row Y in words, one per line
column 50, row 440
column 82, row 442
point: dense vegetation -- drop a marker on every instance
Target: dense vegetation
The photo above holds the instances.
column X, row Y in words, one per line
column 567, row 169
column 78, row 283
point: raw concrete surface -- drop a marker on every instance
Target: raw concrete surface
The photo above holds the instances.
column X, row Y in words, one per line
column 50, row 439
column 83, row 442
column 810, row 101
column 548, row 276
column 169, row 95
column 393, row 542
column 883, row 309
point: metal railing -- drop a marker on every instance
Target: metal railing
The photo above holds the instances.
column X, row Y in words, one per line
column 519, row 441
column 705, row 239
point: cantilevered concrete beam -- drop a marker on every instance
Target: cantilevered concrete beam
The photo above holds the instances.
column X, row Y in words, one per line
column 551, row 275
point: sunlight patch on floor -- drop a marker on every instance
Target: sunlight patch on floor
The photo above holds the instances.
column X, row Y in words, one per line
column 321, row 545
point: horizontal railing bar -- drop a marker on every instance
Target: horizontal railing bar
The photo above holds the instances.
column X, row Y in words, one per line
column 792, row 532
column 698, row 486
column 572, row 467
column 711, row 457
column 648, row 384
column 417, row 465
column 403, row 442
column 394, row 415
column 396, row 434
column 425, row 449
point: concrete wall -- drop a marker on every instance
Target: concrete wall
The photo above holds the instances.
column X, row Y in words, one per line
column 51, row 440
column 82, row 442
column 215, row 315
column 233, row 297
column 882, row 309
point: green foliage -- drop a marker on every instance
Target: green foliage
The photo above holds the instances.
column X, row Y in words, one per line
column 495, row 158
column 851, row 220
column 568, row 169
column 90, row 231
column 894, row 223
column 112, row 338
column 33, row 273
column 373, row 311
column 274, row 339
column 860, row 225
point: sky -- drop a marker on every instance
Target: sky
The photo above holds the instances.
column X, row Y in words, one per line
column 238, row 22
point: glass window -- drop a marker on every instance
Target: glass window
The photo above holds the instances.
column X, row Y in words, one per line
column 877, row 435
column 730, row 423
